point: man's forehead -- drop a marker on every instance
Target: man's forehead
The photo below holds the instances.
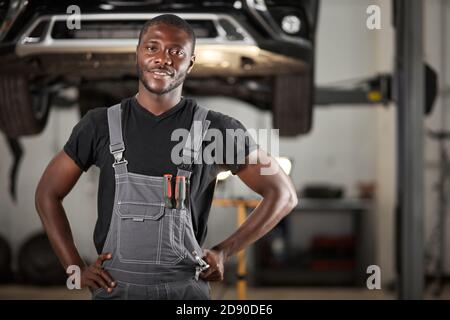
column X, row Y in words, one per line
column 166, row 32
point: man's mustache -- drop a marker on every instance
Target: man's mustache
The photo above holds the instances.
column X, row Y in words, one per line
column 164, row 70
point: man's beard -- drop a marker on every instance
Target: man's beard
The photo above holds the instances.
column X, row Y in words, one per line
column 174, row 84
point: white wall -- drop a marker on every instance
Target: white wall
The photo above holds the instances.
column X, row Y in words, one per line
column 385, row 153
column 344, row 145
column 21, row 219
column 437, row 53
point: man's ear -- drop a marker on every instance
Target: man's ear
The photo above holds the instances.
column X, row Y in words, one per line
column 191, row 63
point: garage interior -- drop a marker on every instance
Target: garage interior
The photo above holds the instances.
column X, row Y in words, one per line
column 371, row 173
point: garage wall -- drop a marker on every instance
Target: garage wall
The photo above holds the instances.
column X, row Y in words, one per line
column 343, row 145
column 437, row 50
column 384, row 220
column 21, row 218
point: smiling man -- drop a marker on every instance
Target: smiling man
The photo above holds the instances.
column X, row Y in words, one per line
column 150, row 228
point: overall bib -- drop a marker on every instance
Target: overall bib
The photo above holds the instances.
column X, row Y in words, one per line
column 153, row 246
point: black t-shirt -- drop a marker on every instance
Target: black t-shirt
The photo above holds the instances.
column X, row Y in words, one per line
column 148, row 146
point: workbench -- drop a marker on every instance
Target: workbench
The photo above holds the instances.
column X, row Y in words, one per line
column 362, row 226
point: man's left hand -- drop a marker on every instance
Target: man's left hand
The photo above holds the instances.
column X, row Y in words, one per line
column 215, row 259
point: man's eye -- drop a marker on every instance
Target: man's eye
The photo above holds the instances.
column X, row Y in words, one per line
column 152, row 49
column 178, row 52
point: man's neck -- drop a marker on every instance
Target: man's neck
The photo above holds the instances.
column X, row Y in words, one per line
column 158, row 104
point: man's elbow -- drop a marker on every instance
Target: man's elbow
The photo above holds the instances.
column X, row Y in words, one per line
column 42, row 196
column 287, row 199
column 291, row 201
column 39, row 198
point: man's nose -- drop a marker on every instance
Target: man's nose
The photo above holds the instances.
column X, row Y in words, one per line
column 163, row 58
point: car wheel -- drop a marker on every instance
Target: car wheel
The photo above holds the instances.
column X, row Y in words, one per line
column 292, row 104
column 23, row 110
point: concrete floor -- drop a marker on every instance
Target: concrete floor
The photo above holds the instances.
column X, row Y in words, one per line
column 221, row 292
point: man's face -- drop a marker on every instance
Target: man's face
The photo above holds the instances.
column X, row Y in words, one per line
column 164, row 58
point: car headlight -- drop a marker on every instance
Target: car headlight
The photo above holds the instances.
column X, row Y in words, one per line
column 291, row 24
column 281, row 21
column 12, row 10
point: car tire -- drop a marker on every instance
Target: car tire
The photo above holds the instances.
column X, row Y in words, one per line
column 21, row 112
column 292, row 104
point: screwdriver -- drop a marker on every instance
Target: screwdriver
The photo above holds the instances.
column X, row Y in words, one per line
column 180, row 191
column 168, row 190
column 188, row 191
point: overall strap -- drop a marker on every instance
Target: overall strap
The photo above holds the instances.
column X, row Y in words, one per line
column 191, row 149
column 116, row 146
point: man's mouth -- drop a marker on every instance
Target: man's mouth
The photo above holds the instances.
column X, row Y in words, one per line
column 161, row 72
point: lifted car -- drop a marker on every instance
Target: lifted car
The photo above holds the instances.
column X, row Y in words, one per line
column 259, row 51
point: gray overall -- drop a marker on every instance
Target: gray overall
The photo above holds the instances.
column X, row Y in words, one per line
column 152, row 245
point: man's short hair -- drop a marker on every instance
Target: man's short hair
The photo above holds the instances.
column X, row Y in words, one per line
column 171, row 20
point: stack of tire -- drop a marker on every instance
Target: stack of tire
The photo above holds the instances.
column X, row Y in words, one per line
column 38, row 264
column 6, row 274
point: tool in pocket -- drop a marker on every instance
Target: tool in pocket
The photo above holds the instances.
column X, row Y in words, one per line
column 168, row 190
column 202, row 265
column 180, row 192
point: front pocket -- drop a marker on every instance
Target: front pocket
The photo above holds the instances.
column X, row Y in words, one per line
column 150, row 234
column 202, row 288
column 140, row 210
column 120, row 292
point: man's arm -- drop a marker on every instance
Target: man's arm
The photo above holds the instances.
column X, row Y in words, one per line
column 58, row 179
column 279, row 198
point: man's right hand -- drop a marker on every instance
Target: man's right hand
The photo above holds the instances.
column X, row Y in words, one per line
column 94, row 276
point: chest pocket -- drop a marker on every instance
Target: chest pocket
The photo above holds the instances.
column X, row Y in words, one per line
column 148, row 232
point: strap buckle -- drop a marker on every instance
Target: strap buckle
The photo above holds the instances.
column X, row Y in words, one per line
column 185, row 167
column 190, row 153
column 118, row 157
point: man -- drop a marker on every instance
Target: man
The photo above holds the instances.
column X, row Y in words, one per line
column 147, row 248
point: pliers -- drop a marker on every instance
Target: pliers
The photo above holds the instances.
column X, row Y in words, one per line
column 202, row 265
